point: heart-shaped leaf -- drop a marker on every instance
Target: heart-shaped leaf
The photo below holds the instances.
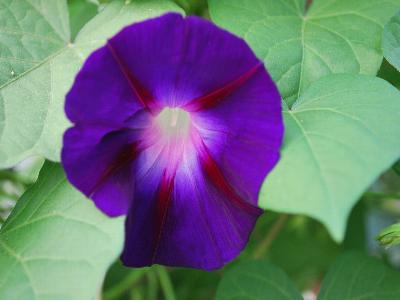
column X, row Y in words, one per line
column 38, row 62
column 358, row 276
column 256, row 280
column 56, row 244
column 353, row 276
column 80, row 12
column 341, row 134
column 300, row 46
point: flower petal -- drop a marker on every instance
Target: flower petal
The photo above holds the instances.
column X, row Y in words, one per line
column 180, row 59
column 98, row 163
column 188, row 178
column 184, row 220
column 243, row 132
column 100, row 94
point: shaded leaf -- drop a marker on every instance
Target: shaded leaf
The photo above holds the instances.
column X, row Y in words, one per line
column 304, row 250
column 353, row 276
column 391, row 41
column 120, row 280
column 80, row 12
column 357, row 276
column 396, row 167
column 56, row 244
column 356, row 233
column 389, row 73
column 256, row 280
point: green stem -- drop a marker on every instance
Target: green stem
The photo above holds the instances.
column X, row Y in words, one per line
column 8, row 195
column 13, row 177
column 266, row 243
column 135, row 295
column 383, row 201
column 152, row 285
column 183, row 4
column 381, row 196
column 166, row 284
column 119, row 289
column 396, row 168
column 308, row 4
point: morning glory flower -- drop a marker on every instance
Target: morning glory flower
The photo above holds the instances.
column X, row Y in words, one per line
column 176, row 124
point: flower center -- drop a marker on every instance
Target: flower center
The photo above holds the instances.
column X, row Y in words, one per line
column 173, row 122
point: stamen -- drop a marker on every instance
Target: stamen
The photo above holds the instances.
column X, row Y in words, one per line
column 173, row 122
column 174, row 118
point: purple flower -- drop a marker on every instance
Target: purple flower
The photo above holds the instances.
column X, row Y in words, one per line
column 176, row 125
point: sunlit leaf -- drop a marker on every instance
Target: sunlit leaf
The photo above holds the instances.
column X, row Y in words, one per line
column 38, row 62
column 299, row 46
column 340, row 136
column 56, row 244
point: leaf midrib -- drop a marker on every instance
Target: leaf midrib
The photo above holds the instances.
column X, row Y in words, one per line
column 46, row 60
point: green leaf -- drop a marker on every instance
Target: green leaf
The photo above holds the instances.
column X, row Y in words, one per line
column 315, row 251
column 38, row 63
column 56, row 244
column 352, row 276
column 389, row 73
column 256, row 280
column 119, row 281
column 390, row 236
column 391, row 41
column 396, row 167
column 80, row 12
column 298, row 46
column 341, row 134
column 356, row 231
column 303, row 248
column 357, row 276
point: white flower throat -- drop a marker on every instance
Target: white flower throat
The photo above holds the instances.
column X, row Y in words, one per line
column 173, row 122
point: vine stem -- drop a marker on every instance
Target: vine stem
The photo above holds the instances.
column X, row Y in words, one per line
column 381, row 196
column 183, row 4
column 266, row 243
column 119, row 289
column 13, row 177
column 152, row 285
column 308, row 4
column 166, row 284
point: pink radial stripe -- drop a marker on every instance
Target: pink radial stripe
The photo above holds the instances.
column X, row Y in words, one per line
column 211, row 99
column 126, row 156
column 164, row 197
column 145, row 97
column 218, row 179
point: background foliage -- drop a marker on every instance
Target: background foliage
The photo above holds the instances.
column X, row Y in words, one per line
column 333, row 197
